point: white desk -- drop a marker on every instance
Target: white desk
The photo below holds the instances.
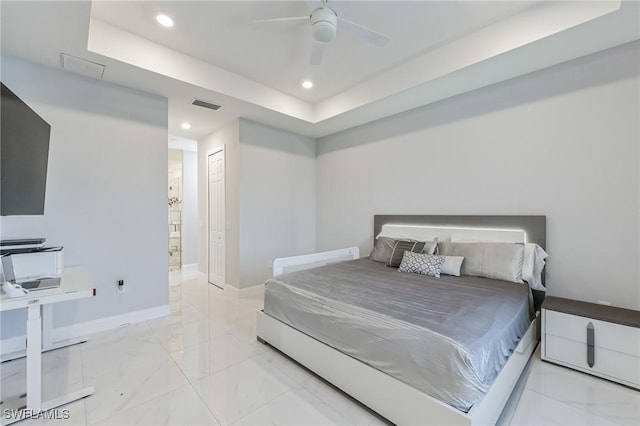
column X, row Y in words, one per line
column 76, row 284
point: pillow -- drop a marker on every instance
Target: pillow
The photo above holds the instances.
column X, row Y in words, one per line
column 400, row 247
column 382, row 250
column 500, row 261
column 451, row 265
column 534, row 261
column 419, row 263
column 430, row 247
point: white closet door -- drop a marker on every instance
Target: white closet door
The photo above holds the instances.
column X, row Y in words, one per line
column 216, row 219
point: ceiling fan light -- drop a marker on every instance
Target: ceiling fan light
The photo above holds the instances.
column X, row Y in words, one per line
column 324, row 21
column 324, row 31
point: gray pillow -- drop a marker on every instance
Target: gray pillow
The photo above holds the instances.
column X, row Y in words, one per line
column 500, row 261
column 400, row 247
column 382, row 250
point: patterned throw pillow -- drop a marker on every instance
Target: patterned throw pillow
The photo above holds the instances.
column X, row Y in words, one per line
column 418, row 263
column 400, row 247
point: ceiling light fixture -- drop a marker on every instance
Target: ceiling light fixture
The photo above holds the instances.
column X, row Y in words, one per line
column 186, row 125
column 164, row 20
column 307, row 84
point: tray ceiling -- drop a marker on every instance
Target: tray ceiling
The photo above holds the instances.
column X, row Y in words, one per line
column 438, row 49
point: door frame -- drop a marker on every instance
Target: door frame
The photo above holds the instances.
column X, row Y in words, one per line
column 224, row 219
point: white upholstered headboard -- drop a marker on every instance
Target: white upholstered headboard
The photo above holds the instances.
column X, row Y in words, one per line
column 453, row 233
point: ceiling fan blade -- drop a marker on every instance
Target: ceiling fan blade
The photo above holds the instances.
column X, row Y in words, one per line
column 295, row 19
column 316, row 53
column 373, row 37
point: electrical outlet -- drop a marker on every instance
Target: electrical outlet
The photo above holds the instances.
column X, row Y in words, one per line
column 121, row 288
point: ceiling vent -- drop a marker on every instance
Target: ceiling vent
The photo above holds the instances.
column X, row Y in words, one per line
column 203, row 104
column 81, row 66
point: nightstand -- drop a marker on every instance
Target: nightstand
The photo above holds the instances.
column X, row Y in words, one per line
column 600, row 340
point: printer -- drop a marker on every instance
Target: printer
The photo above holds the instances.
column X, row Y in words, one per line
column 31, row 264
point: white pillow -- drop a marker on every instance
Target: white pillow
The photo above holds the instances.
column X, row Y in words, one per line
column 534, row 261
column 451, row 265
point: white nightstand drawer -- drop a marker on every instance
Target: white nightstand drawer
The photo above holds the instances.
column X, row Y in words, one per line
column 617, row 337
column 608, row 346
column 610, row 364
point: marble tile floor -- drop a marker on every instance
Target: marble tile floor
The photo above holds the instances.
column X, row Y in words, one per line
column 202, row 365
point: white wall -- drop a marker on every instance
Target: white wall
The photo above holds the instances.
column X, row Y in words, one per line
column 226, row 137
column 189, row 207
column 270, row 196
column 106, row 198
column 277, row 198
column 562, row 142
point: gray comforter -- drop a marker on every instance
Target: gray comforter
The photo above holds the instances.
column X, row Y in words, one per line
column 448, row 337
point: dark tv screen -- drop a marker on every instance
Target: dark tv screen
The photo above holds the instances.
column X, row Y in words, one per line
column 24, row 151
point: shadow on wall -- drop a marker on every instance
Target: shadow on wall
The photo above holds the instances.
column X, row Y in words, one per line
column 263, row 136
column 593, row 70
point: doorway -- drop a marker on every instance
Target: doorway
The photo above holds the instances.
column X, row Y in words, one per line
column 216, row 217
column 175, row 209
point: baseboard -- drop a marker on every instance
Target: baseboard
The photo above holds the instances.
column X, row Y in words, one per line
column 255, row 290
column 190, row 267
column 108, row 323
column 18, row 343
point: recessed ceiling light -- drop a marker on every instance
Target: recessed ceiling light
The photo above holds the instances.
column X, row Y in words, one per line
column 186, row 125
column 164, row 20
column 307, row 84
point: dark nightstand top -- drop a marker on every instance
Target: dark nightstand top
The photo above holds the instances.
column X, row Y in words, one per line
column 612, row 314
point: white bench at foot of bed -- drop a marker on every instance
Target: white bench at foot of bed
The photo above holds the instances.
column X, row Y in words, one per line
column 391, row 398
column 306, row 261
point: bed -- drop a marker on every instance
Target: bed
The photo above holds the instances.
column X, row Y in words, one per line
column 403, row 344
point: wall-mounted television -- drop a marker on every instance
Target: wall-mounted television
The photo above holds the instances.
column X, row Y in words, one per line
column 24, row 153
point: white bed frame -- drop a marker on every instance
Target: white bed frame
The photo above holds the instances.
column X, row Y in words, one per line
column 391, row 398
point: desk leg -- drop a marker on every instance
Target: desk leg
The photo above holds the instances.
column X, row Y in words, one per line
column 47, row 332
column 34, row 370
column 47, row 336
column 34, row 357
column 47, row 327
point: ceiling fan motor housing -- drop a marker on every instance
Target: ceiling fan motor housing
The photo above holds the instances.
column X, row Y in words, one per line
column 324, row 24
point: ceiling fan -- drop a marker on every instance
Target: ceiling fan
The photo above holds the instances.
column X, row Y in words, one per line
column 324, row 25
